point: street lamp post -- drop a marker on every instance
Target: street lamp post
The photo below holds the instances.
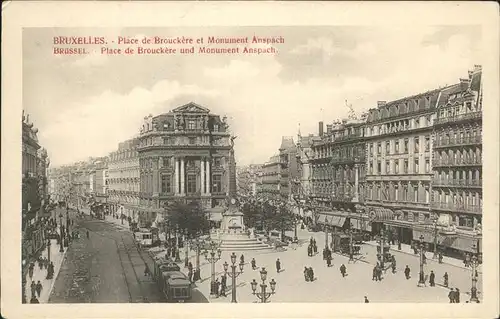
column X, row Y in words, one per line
column 197, row 246
column 351, row 253
column 61, row 235
column 263, row 295
column 212, row 257
column 382, row 247
column 233, row 274
column 186, row 254
column 48, row 250
column 474, row 262
column 435, row 255
column 421, row 276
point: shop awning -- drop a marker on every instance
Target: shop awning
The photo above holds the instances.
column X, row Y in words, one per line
column 380, row 214
column 361, row 224
column 336, row 221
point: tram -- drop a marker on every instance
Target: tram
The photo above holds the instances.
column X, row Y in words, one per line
column 174, row 284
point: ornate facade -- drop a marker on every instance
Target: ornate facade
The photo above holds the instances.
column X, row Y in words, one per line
column 338, row 173
column 124, row 179
column 184, row 153
column 457, row 199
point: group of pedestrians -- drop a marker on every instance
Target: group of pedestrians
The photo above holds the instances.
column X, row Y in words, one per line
column 312, row 248
column 36, row 289
column 309, row 274
column 220, row 287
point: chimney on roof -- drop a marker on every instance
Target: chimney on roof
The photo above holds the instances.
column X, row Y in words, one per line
column 477, row 68
column 465, row 82
column 320, row 131
column 328, row 128
column 381, row 103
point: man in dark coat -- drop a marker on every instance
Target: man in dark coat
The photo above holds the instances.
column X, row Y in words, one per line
column 278, row 265
column 242, row 259
column 407, row 272
column 445, row 279
column 306, row 274
column 328, row 261
column 253, row 264
column 38, row 288
column 457, row 295
column 343, row 270
column 33, row 289
column 374, row 274
column 311, row 274
column 432, row 278
column 366, row 300
column 451, row 296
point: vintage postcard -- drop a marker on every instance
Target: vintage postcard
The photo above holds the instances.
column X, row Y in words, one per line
column 322, row 158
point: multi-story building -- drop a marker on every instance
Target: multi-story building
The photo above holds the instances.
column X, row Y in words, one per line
column 35, row 196
column 398, row 180
column 339, row 174
column 247, row 179
column 457, row 199
column 271, row 177
column 185, row 153
column 124, row 179
column 280, row 173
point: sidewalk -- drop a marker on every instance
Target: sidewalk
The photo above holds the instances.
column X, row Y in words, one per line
column 40, row 274
column 406, row 249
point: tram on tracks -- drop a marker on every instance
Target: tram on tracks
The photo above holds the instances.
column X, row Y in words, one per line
column 174, row 284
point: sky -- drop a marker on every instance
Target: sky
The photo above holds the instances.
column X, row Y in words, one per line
column 85, row 105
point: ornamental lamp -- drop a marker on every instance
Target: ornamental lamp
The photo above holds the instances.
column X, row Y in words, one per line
column 254, row 286
column 272, row 283
column 241, row 266
column 233, row 258
column 226, row 265
column 263, row 274
column 219, row 252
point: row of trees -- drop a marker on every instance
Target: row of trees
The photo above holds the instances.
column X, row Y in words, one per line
column 189, row 218
column 268, row 214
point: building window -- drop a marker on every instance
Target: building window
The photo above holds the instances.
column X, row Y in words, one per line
column 379, row 168
column 166, row 186
column 427, row 165
column 406, row 146
column 405, row 168
column 216, row 128
column 192, row 140
column 417, row 144
column 396, row 147
column 191, row 183
column 371, row 148
column 427, row 195
column 387, row 147
column 427, row 143
column 217, row 183
column 387, row 167
column 416, row 166
column 371, row 168
column 415, row 193
column 379, row 148
column 191, row 125
column 396, row 167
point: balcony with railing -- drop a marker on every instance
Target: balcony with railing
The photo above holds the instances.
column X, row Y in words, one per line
column 457, row 162
column 459, row 118
column 457, row 207
column 460, row 141
column 441, row 182
column 347, row 159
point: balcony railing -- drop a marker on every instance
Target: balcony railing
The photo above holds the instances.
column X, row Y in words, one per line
column 459, row 141
column 458, row 118
column 457, row 207
column 457, row 182
column 461, row 162
column 347, row 159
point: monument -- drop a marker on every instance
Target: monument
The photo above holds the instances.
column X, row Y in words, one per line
column 232, row 233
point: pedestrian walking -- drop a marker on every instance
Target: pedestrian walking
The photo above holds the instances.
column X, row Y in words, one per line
column 374, row 273
column 30, row 270
column 328, row 261
column 311, row 274
column 445, row 279
column 278, row 265
column 407, row 272
column 379, row 273
column 88, row 234
column 366, row 300
column 190, row 275
column 34, row 300
column 222, row 291
column 242, row 259
column 393, row 267
column 315, row 248
column 343, row 270
column 309, row 250
column 223, row 281
column 190, row 266
column 217, row 287
column 451, row 295
column 146, row 271
column 440, row 258
column 311, row 241
column 39, row 288
column 33, row 289
column 306, row 274
column 457, row 295
column 432, row 277
column 253, row 264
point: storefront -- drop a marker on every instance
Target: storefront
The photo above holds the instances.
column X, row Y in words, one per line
column 378, row 216
column 400, row 230
column 450, row 241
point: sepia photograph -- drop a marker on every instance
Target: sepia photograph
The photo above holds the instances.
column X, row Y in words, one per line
column 254, row 164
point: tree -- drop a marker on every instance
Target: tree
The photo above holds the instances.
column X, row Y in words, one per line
column 189, row 218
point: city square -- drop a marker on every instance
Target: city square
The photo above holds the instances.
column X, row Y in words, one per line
column 364, row 202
